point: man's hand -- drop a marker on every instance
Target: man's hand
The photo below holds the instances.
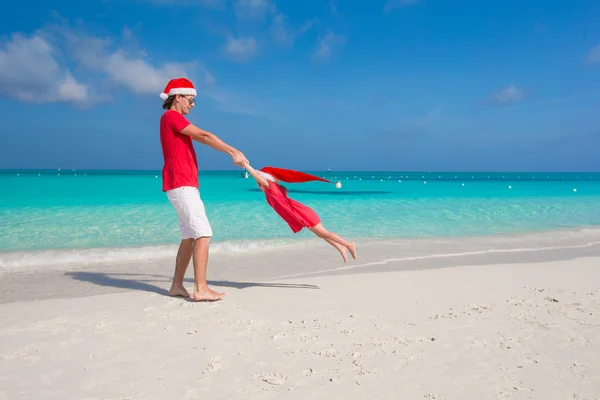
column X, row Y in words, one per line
column 239, row 159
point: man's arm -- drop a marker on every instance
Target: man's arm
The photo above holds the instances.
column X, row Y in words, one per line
column 212, row 140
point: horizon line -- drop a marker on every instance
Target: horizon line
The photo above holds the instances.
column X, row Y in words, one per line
column 241, row 170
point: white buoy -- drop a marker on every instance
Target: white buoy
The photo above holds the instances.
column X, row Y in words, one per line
column 399, row 181
column 156, row 176
column 338, row 184
column 425, row 183
column 575, row 190
column 463, row 184
column 510, row 187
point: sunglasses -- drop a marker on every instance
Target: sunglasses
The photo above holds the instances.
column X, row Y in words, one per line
column 190, row 100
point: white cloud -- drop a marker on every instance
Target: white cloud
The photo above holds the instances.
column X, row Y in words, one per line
column 138, row 75
column 253, row 9
column 283, row 34
column 327, row 44
column 241, row 49
column 70, row 89
column 30, row 72
column 128, row 69
column 510, row 94
column 594, row 55
column 391, row 4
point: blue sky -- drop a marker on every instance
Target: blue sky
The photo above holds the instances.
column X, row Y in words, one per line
column 380, row 84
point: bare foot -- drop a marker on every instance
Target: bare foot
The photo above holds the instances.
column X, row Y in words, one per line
column 342, row 251
column 352, row 249
column 344, row 255
column 339, row 248
column 207, row 295
column 178, row 290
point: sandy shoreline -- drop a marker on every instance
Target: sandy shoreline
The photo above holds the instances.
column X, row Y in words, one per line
column 273, row 266
column 490, row 325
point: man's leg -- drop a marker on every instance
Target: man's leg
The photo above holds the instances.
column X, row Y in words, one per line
column 201, row 289
column 184, row 255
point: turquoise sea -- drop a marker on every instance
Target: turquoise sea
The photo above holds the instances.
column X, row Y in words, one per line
column 75, row 210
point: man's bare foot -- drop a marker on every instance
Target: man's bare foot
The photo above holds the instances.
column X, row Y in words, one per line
column 207, row 296
column 352, row 249
column 178, row 290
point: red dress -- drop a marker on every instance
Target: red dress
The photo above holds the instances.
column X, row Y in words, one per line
column 296, row 214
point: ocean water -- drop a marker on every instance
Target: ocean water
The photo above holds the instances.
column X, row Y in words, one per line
column 110, row 210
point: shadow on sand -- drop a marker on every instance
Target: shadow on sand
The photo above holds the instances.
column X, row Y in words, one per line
column 145, row 282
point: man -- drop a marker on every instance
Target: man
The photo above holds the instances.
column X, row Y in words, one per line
column 180, row 182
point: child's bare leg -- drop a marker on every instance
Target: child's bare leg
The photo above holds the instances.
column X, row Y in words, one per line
column 323, row 233
column 340, row 248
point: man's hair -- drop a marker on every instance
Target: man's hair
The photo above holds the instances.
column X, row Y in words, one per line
column 168, row 102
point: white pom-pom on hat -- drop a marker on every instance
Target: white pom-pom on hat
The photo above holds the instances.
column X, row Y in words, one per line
column 164, row 96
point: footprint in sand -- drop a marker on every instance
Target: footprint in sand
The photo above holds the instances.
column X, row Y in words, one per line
column 216, row 364
column 305, row 337
column 279, row 336
column 327, row 353
column 273, row 379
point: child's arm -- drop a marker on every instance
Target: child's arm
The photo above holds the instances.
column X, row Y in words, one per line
column 261, row 181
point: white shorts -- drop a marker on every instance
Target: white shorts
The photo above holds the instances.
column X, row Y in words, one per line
column 193, row 221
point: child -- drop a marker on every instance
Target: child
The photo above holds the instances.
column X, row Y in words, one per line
column 296, row 215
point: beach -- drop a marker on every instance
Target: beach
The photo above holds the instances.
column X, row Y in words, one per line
column 513, row 317
column 466, row 286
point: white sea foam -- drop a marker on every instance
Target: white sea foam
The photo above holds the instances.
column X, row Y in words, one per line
column 388, row 250
column 47, row 258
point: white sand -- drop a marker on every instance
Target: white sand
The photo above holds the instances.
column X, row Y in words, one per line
column 512, row 331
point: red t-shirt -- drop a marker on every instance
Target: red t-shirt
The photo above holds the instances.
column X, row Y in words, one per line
column 181, row 165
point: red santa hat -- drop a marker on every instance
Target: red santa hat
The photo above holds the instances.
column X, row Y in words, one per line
column 291, row 176
column 178, row 86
